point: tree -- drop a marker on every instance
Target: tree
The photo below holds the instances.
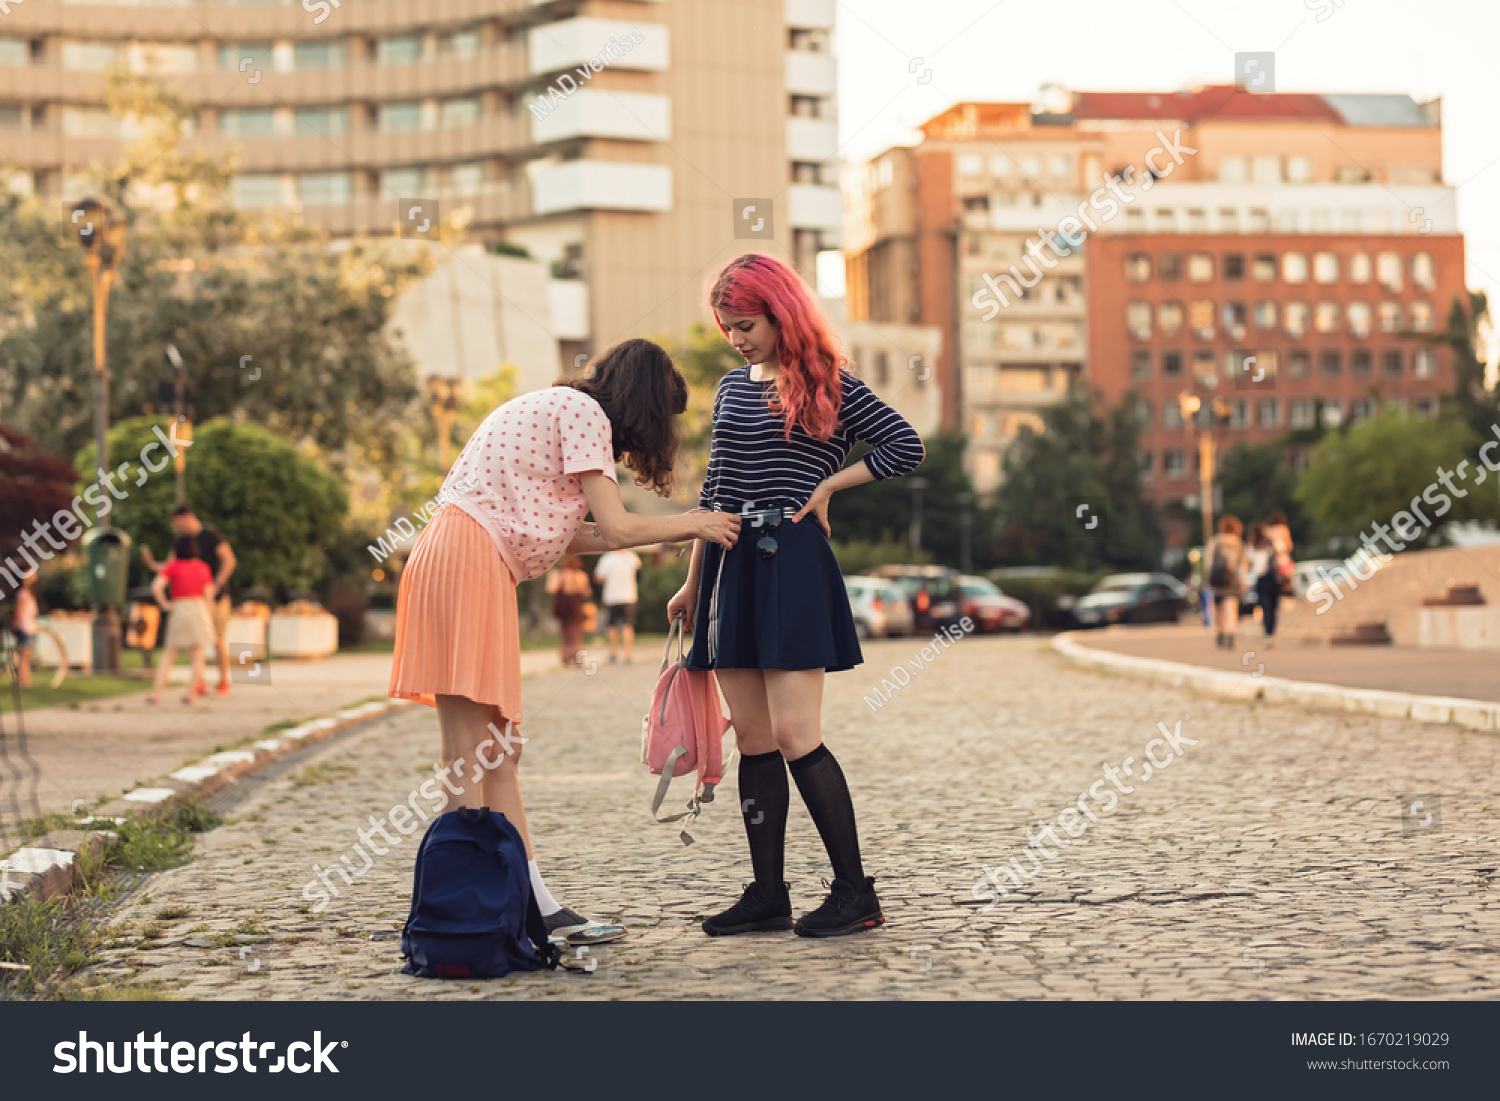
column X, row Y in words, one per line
column 1082, row 457
column 881, row 512
column 34, row 486
column 1376, row 468
column 273, row 323
column 279, row 510
column 1255, row 481
column 704, row 358
column 1471, row 402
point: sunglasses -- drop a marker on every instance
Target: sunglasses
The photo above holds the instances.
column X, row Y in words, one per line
column 766, row 545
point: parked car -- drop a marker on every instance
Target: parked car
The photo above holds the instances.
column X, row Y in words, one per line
column 1133, row 598
column 932, row 592
column 982, row 601
column 880, row 608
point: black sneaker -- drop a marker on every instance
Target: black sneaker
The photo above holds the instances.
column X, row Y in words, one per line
column 847, row 909
column 759, row 910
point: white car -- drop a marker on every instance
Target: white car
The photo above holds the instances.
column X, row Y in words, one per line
column 880, row 608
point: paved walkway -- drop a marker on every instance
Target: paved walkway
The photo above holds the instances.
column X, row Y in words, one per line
column 1268, row 861
column 1467, row 674
column 106, row 748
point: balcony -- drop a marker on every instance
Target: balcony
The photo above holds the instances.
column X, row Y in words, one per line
column 569, row 302
column 811, row 206
column 595, row 113
column 810, row 14
column 602, row 185
column 167, row 22
column 810, row 74
column 811, row 139
column 555, row 47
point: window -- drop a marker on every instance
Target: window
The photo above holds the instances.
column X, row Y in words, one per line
column 11, row 116
column 460, row 112
column 1001, row 166
column 1174, row 462
column 1425, row 408
column 1232, row 168
column 1423, row 363
column 1201, row 319
column 1268, row 413
column 1421, row 317
column 1239, row 413
column 1359, row 319
column 1061, row 165
column 1388, row 270
column 1234, row 265
column 231, row 55
column 1422, row 274
column 1286, row 220
column 1294, row 317
column 1234, row 320
column 1135, row 219
column 399, row 51
column 1299, row 169
column 1144, row 412
column 1325, row 267
column 468, row 180
column 402, row 183
column 92, row 57
column 1171, row 364
column 1390, row 363
column 1302, row 413
column 322, row 120
column 1229, row 220
column 1169, row 267
column 1137, row 267
column 257, row 191
column 1138, row 319
column 323, row 188
column 1326, row 317
column 1294, row 267
column 395, row 117
column 1266, row 169
column 319, row 55
column 1298, row 363
column 1332, row 414
column 1169, row 318
column 882, row 368
column 1260, row 220
column 1166, row 220
column 459, row 44
column 1140, row 365
column 1361, row 409
column 1171, row 415
column 1203, row 370
column 1263, row 268
column 970, row 164
column 1390, row 317
column 1200, row 267
column 1330, row 363
column 1265, row 314
column 1361, row 363
column 1197, row 220
column 1145, row 463
column 248, row 122
column 1031, row 166
column 15, row 52
column 1360, row 268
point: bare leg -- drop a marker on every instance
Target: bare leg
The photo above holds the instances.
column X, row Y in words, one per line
column 795, row 699
column 23, row 666
column 629, row 632
column 199, row 661
column 745, row 692
column 613, row 634
column 469, row 748
column 221, row 649
column 163, row 668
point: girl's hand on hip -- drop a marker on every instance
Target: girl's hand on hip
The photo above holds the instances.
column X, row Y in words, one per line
column 817, row 504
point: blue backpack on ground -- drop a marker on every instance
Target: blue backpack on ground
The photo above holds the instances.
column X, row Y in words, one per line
column 472, row 912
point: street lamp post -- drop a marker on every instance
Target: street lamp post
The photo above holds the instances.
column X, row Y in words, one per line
column 914, row 536
column 101, row 232
column 179, row 398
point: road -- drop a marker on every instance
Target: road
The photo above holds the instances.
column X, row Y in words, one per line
column 1275, row 855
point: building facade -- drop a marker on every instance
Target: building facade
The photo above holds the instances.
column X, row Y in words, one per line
column 610, row 138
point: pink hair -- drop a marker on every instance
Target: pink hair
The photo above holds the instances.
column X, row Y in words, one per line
column 809, row 389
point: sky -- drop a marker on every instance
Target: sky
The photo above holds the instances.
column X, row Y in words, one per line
column 1006, row 50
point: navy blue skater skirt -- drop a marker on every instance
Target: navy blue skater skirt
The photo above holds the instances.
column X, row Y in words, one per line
column 790, row 611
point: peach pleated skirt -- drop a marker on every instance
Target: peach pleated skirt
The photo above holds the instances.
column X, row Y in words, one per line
column 457, row 629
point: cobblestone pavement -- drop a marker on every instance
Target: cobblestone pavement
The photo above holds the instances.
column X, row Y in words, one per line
column 1269, row 860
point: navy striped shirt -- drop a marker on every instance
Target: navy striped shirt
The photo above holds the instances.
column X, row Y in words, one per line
column 751, row 460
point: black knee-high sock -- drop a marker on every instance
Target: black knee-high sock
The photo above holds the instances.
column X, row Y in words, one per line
column 821, row 784
column 764, row 799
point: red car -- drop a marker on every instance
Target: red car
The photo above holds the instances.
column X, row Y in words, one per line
column 991, row 610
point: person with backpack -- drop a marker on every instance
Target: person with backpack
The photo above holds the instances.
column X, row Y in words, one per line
column 570, row 590
column 1225, row 556
column 515, row 502
column 771, row 612
column 1266, row 578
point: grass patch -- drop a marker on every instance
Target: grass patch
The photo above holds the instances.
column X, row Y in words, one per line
column 173, row 913
column 319, row 773
column 77, row 689
column 48, row 937
column 152, row 842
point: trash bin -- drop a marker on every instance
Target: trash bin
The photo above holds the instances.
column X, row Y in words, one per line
column 107, row 552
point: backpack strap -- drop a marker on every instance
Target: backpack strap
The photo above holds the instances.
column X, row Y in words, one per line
column 694, row 809
column 536, row 931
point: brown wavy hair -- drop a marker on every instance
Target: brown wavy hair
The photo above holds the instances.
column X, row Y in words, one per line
column 642, row 393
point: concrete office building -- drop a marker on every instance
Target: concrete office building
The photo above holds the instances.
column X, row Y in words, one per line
column 651, row 117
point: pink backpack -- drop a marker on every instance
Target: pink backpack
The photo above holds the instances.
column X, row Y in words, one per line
column 683, row 731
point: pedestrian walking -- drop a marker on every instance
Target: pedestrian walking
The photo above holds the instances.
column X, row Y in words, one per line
column 24, row 627
column 771, row 612
column 190, row 623
column 215, row 552
column 570, row 589
column 1225, row 557
column 540, row 462
column 616, row 571
column 1268, row 583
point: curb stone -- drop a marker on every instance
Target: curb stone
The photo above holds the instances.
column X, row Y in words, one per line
column 45, row 869
column 1473, row 714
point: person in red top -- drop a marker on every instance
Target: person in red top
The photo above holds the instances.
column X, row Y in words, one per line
column 191, row 626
